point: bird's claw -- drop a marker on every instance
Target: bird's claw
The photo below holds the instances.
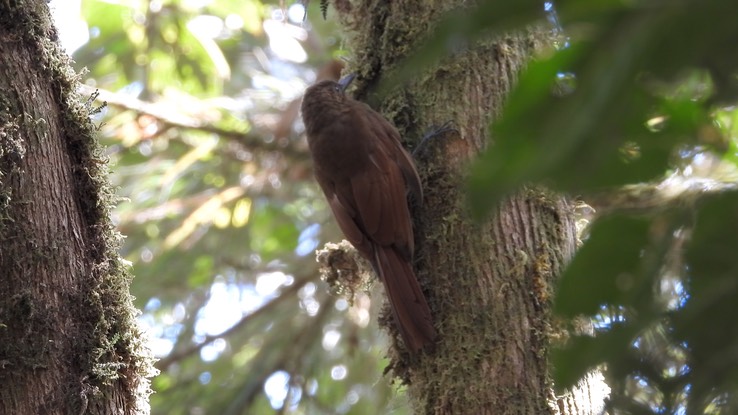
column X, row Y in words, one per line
column 433, row 132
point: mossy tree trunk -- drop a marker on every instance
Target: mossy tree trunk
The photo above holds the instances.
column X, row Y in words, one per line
column 490, row 285
column 68, row 340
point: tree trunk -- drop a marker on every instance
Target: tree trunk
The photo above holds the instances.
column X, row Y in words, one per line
column 490, row 285
column 69, row 343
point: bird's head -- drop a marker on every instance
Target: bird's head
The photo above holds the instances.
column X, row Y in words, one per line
column 323, row 98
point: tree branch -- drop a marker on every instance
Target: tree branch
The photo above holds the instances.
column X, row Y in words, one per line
column 164, row 363
column 675, row 191
column 251, row 140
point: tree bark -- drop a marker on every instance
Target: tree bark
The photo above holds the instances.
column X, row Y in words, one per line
column 490, row 285
column 69, row 343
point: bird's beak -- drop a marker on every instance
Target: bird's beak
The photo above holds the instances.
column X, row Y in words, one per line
column 346, row 81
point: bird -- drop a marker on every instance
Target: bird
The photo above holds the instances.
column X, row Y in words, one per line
column 366, row 176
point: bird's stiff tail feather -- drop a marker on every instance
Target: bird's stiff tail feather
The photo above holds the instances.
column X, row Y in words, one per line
column 409, row 307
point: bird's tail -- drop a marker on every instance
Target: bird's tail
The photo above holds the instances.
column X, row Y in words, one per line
column 409, row 307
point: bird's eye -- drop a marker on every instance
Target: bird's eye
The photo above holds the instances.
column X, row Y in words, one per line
column 337, row 88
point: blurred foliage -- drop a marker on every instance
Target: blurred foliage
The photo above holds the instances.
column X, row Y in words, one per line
column 641, row 77
column 635, row 102
column 222, row 215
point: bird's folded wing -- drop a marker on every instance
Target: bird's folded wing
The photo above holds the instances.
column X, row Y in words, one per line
column 381, row 204
column 390, row 138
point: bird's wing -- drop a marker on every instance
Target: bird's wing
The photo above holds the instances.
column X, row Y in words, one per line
column 379, row 193
column 405, row 161
column 391, row 137
column 342, row 204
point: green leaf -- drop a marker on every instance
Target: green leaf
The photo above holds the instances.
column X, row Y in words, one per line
column 460, row 28
column 606, row 269
column 584, row 353
column 707, row 323
column 571, row 138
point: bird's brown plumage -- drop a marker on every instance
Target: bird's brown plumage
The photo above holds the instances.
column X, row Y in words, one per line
column 365, row 174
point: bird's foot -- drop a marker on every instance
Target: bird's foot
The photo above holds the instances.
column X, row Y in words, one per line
column 434, row 132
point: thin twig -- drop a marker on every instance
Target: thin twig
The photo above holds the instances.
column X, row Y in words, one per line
column 251, row 140
column 164, row 363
